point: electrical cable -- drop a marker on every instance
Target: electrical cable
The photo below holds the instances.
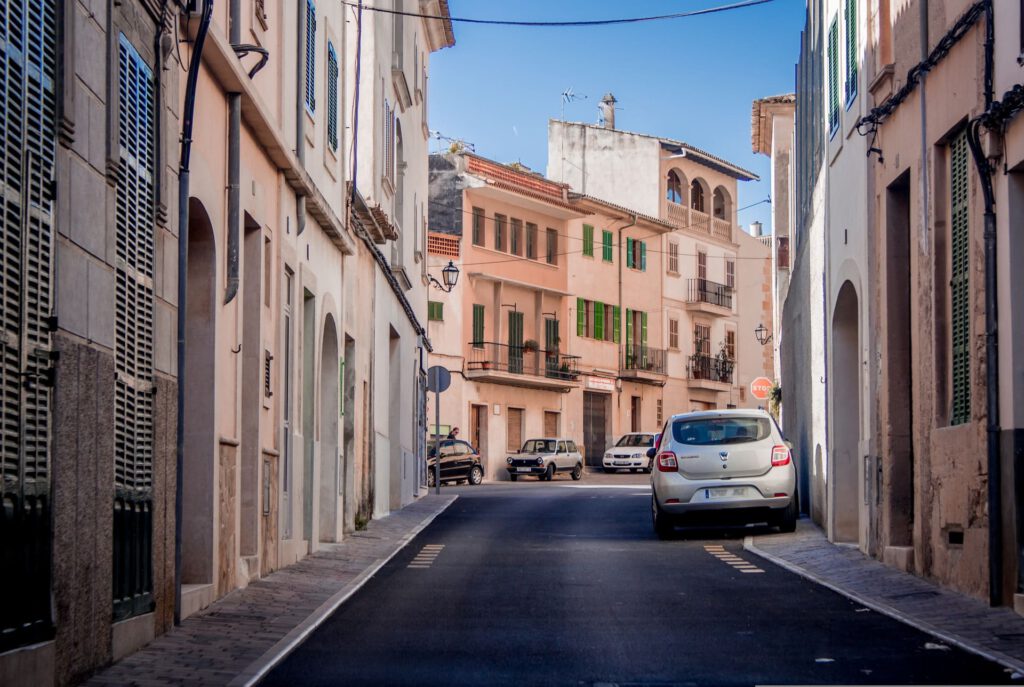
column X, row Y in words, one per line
column 566, row 24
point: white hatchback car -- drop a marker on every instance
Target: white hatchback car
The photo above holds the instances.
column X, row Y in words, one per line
column 723, row 465
column 544, row 457
column 630, row 453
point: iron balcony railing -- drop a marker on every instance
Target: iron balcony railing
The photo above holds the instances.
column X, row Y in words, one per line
column 715, row 368
column 707, row 291
column 522, row 360
column 644, row 358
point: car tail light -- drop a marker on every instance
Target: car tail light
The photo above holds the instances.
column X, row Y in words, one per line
column 780, row 456
column 667, row 462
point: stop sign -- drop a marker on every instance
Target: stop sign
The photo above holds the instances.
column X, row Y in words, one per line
column 760, row 388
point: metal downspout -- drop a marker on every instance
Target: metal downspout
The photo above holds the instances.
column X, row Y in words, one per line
column 187, row 120
column 622, row 311
column 234, row 162
column 300, row 110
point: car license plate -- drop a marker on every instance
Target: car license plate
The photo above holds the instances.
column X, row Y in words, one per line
column 523, row 469
column 622, row 462
column 725, row 492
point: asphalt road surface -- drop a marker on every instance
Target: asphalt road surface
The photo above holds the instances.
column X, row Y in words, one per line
column 566, row 583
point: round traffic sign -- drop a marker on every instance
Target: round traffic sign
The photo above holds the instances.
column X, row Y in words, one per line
column 438, row 378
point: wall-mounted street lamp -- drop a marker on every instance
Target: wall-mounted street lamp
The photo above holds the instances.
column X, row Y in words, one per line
column 762, row 334
column 450, row 275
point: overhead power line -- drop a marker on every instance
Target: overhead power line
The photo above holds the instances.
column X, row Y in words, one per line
column 579, row 23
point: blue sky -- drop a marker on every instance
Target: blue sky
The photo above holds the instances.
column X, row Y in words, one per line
column 692, row 79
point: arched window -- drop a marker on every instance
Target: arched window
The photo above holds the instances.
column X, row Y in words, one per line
column 721, row 207
column 674, row 191
column 697, row 196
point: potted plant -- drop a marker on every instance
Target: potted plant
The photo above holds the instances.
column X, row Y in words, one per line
column 486, row 364
column 531, row 345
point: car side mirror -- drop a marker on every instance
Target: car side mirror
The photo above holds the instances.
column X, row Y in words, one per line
column 788, row 443
column 650, row 452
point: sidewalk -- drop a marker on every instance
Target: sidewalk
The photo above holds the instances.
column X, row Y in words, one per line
column 994, row 633
column 240, row 637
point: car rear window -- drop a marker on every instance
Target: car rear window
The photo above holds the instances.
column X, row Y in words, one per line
column 721, row 430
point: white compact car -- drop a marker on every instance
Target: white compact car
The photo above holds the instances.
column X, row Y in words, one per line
column 630, row 453
column 544, row 457
column 723, row 466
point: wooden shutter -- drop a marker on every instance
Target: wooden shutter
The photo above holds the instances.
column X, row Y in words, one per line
column 515, row 429
column 643, row 329
column 332, row 97
column 478, row 326
column 581, row 317
column 643, row 256
column 134, row 385
column 515, row 341
column 616, row 323
column 606, row 247
column 833, row 75
column 310, row 55
column 588, row 240
column 851, row 49
column 960, row 282
column 598, row 320
column 629, row 326
column 550, row 424
column 629, row 253
column 27, row 148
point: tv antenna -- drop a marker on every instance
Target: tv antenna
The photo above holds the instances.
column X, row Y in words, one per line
column 570, row 96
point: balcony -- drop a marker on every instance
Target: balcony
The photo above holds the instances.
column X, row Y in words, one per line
column 704, row 295
column 643, row 364
column 698, row 222
column 710, row 372
column 521, row 366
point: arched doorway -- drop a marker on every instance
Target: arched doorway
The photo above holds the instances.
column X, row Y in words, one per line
column 329, row 416
column 845, row 415
column 199, row 476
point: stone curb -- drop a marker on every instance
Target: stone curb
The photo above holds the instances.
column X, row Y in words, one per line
column 259, row 668
column 1005, row 660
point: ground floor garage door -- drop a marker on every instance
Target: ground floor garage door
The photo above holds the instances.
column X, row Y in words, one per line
column 595, row 424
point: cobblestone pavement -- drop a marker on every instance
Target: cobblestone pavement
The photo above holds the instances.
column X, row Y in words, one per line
column 996, row 633
column 247, row 631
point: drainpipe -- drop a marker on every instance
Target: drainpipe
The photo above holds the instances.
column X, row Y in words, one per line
column 234, row 162
column 995, row 500
column 187, row 120
column 300, row 111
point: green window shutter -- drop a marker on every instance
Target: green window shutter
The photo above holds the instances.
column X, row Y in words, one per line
column 478, row 326
column 598, row 320
column 643, row 256
column 435, row 311
column 629, row 252
column 588, row 240
column 629, row 326
column 616, row 324
column 606, row 246
column 581, row 317
column 851, row 50
column 833, row 75
column 960, row 282
column 643, row 329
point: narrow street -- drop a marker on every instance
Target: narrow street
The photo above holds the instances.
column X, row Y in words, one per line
column 565, row 583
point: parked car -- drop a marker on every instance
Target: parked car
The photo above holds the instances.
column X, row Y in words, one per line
column 459, row 461
column 545, row 457
column 723, row 466
column 630, row 453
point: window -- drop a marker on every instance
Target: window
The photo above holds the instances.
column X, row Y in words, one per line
column 516, row 237
column 596, row 320
column 500, row 222
column 572, row 447
column 674, row 190
column 851, row 51
column 673, row 334
column 562, row 448
column 697, row 196
column 606, row 246
column 661, row 415
column 478, row 326
column 435, row 311
column 531, row 241
column 960, row 283
column 673, row 257
column 730, row 273
column 833, row 76
column 588, row 240
column 702, row 339
column 478, row 227
column 730, row 344
column 332, row 97
column 553, row 246
column 636, row 254
column 310, row 56
column 388, row 140
column 702, row 265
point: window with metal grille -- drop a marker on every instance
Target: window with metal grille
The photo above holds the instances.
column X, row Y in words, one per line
column 310, row 56
column 268, row 388
column 27, row 134
column 960, row 282
column 478, row 227
column 332, row 97
column 134, row 384
column 851, row 51
column 833, row 76
column 588, row 240
column 435, row 311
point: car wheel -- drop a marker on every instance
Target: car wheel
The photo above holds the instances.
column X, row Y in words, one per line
column 577, row 472
column 549, row 474
column 662, row 521
column 431, row 481
column 513, row 477
column 787, row 521
column 476, row 475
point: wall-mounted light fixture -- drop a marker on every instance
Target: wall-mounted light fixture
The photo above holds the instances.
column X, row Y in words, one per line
column 762, row 334
column 450, row 275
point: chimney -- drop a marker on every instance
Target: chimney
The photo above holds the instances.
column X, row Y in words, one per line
column 607, row 108
column 756, row 229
